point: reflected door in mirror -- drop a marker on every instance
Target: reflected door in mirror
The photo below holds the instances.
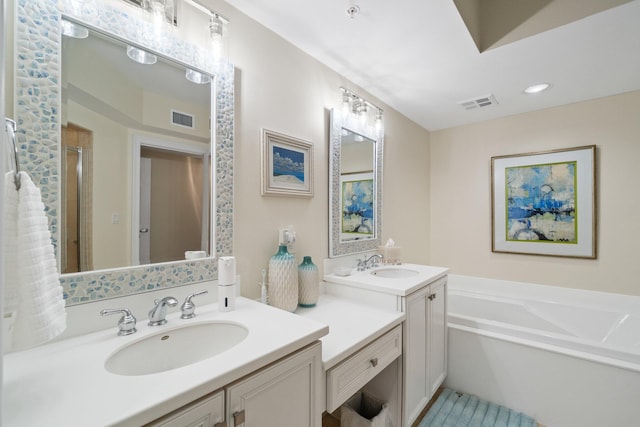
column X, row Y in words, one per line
column 171, row 187
column 76, row 246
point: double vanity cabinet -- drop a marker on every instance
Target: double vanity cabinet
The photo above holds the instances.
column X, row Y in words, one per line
column 379, row 330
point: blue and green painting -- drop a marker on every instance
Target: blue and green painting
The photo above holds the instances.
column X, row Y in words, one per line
column 288, row 165
column 357, row 207
column 541, row 203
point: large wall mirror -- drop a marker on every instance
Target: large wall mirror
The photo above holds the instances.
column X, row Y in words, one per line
column 134, row 161
column 355, row 186
column 135, row 155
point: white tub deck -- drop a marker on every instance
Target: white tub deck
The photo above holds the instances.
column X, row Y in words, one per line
column 565, row 357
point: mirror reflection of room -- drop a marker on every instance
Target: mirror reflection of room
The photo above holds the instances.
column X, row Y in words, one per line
column 357, row 162
column 109, row 99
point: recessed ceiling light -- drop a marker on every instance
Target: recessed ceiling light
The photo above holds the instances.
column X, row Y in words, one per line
column 537, row 88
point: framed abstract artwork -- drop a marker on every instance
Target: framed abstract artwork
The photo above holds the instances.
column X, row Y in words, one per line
column 287, row 165
column 545, row 203
column 357, row 206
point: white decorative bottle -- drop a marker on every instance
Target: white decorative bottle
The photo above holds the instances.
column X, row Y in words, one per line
column 283, row 280
column 309, row 283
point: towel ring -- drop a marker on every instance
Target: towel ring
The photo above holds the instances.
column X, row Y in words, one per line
column 11, row 130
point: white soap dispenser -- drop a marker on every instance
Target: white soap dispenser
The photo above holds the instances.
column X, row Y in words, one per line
column 226, row 283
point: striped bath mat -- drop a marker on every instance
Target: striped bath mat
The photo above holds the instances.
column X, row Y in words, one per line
column 453, row 409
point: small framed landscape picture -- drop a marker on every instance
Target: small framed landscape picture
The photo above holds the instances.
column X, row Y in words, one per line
column 545, row 203
column 287, row 165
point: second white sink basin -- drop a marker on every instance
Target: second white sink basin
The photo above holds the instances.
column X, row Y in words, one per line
column 394, row 273
column 175, row 348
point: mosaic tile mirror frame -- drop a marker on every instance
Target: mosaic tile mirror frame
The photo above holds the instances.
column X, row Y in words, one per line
column 37, row 107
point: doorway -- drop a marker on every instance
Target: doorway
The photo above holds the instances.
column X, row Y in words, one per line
column 77, row 182
column 171, row 201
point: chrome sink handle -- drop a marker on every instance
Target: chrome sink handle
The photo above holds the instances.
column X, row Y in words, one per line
column 189, row 308
column 373, row 261
column 126, row 324
column 158, row 314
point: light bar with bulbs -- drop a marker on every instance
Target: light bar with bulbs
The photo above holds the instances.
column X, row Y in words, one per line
column 354, row 104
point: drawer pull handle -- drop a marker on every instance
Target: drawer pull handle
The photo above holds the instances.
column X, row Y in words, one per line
column 238, row 418
column 432, row 297
column 374, row 362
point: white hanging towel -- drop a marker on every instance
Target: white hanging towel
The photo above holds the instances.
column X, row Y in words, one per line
column 33, row 295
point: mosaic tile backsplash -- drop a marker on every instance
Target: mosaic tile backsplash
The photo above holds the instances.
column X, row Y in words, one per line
column 37, row 110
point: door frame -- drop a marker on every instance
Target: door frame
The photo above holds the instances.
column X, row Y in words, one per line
column 139, row 141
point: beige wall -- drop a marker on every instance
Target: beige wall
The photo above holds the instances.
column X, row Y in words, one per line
column 460, row 193
column 282, row 89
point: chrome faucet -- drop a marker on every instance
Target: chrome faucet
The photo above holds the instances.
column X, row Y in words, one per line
column 126, row 324
column 371, row 262
column 158, row 314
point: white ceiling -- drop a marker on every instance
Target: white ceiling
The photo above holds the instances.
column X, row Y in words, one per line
column 418, row 57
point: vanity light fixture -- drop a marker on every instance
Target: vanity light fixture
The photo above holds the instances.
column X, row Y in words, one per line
column 537, row 88
column 158, row 11
column 141, row 56
column 378, row 123
column 357, row 107
column 363, row 111
column 71, row 29
column 197, row 77
column 346, row 103
column 216, row 32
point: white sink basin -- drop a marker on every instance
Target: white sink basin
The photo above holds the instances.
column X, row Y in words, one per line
column 394, row 273
column 175, row 348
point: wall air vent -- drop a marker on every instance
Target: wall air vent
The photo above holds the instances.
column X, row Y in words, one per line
column 182, row 119
column 479, row 102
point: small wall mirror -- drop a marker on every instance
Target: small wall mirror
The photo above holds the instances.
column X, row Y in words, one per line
column 355, row 186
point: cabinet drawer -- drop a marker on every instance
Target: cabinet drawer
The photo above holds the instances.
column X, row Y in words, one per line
column 205, row 412
column 345, row 379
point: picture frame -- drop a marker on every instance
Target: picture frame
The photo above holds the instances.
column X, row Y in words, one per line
column 287, row 165
column 544, row 203
column 357, row 202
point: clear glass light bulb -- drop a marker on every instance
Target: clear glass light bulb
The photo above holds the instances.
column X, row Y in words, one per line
column 216, row 28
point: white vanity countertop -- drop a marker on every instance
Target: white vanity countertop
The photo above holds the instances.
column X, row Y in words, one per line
column 65, row 383
column 401, row 286
column 352, row 325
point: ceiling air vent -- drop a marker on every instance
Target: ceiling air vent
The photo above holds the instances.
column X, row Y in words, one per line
column 479, row 102
column 182, row 119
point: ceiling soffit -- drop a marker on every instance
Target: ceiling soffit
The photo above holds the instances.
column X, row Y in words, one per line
column 494, row 23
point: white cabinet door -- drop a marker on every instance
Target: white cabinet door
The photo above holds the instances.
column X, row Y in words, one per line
column 438, row 335
column 286, row 393
column 205, row 412
column 415, row 354
column 425, row 347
